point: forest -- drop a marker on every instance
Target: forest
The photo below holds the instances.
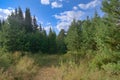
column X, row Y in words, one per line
column 89, row 50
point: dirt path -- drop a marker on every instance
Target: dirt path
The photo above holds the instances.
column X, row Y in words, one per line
column 47, row 73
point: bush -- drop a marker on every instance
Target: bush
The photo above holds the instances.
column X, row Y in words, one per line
column 104, row 58
column 112, row 68
column 5, row 60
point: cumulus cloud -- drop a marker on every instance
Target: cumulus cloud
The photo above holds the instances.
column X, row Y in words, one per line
column 66, row 18
column 5, row 12
column 56, row 5
column 47, row 28
column 45, row 2
column 91, row 4
column 75, row 8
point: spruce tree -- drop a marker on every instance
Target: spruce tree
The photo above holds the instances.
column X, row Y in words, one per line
column 0, row 25
column 74, row 38
column 51, row 42
column 35, row 25
column 61, row 46
column 112, row 10
column 20, row 14
column 28, row 21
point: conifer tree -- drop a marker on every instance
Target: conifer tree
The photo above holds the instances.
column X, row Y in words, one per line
column 20, row 14
column 35, row 25
column 0, row 25
column 52, row 42
column 28, row 21
column 112, row 10
column 61, row 46
column 73, row 38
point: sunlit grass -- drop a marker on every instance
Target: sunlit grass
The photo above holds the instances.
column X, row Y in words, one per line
column 17, row 66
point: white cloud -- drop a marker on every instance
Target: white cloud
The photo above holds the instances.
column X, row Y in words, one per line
column 63, row 25
column 56, row 5
column 66, row 18
column 45, row 2
column 40, row 22
column 48, row 23
column 52, row 3
column 75, row 8
column 5, row 12
column 91, row 4
column 47, row 28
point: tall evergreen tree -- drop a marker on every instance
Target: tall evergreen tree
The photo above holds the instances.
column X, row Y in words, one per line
column 35, row 25
column 44, row 43
column 52, row 42
column 73, row 38
column 61, row 46
column 112, row 10
column 28, row 21
column 40, row 28
column 20, row 14
column 0, row 25
column 20, row 18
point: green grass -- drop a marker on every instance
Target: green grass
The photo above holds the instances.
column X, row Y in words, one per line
column 45, row 60
column 15, row 66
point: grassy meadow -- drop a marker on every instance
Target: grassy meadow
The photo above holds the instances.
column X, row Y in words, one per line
column 51, row 67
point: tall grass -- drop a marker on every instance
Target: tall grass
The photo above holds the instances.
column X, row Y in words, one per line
column 14, row 66
column 70, row 66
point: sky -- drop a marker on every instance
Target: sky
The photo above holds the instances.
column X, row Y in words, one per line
column 57, row 14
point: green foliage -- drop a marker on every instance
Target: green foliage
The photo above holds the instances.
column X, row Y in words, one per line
column 10, row 37
column 112, row 68
column 35, row 25
column 28, row 21
column 52, row 42
column 5, row 60
column 23, row 34
column 104, row 58
column 74, row 38
column 112, row 8
column 94, row 42
column 0, row 25
column 61, row 47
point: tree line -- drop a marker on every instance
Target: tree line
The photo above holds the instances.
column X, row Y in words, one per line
column 98, row 38
column 22, row 33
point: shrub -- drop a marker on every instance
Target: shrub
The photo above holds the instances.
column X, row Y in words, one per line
column 112, row 68
column 5, row 60
column 26, row 67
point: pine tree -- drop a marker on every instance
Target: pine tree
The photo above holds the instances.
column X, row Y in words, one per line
column 112, row 10
column 61, row 46
column 10, row 37
column 20, row 14
column 0, row 25
column 73, row 38
column 40, row 28
column 52, row 42
column 35, row 25
column 16, row 12
column 28, row 21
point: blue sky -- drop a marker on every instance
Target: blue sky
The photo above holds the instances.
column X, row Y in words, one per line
column 57, row 14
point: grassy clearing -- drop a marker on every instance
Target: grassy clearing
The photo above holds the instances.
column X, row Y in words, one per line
column 15, row 66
